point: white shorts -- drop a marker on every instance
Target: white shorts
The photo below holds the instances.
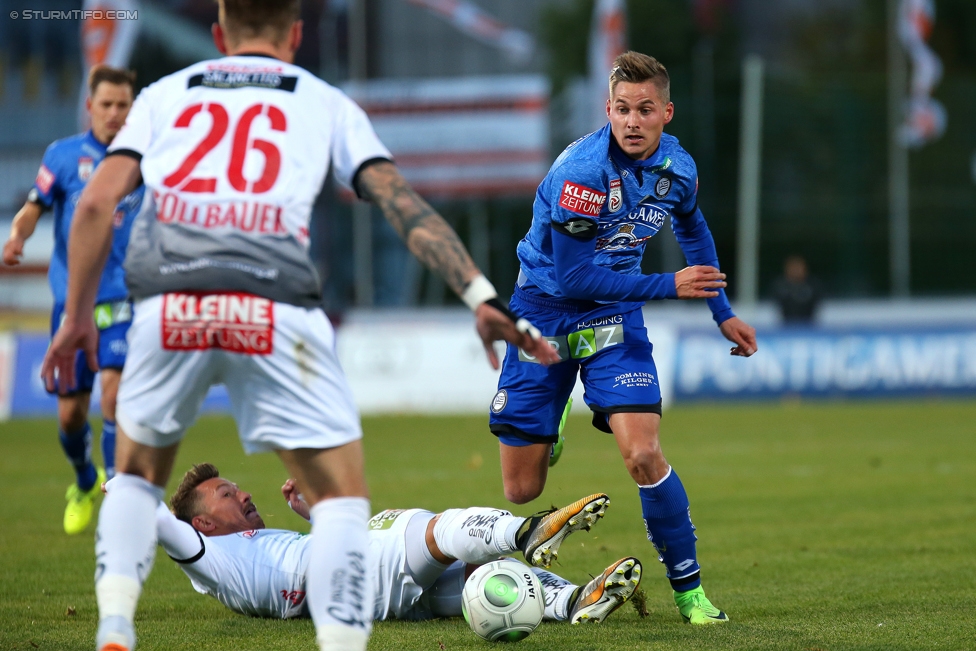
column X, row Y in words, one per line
column 409, row 583
column 278, row 362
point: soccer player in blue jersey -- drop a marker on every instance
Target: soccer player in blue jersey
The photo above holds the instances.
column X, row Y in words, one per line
column 580, row 283
column 67, row 165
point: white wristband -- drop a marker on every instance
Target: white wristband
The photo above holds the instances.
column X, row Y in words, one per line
column 478, row 291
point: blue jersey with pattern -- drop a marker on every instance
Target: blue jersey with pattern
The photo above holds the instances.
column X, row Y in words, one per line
column 68, row 164
column 596, row 193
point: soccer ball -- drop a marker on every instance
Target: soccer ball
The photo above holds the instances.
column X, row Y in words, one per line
column 502, row 601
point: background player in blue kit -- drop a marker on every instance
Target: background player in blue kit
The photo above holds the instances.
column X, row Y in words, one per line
column 67, row 165
column 580, row 283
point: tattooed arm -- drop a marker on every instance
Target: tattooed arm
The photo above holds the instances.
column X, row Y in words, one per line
column 427, row 235
column 434, row 243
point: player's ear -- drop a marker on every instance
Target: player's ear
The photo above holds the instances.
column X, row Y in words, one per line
column 669, row 112
column 608, row 108
column 295, row 36
column 203, row 524
column 88, row 104
column 218, row 37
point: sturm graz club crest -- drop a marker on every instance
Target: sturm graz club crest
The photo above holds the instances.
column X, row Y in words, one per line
column 86, row 165
column 616, row 196
column 662, row 187
column 499, row 401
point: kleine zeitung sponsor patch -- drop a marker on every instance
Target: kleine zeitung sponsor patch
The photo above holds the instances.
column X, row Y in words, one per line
column 45, row 179
column 581, row 199
column 236, row 322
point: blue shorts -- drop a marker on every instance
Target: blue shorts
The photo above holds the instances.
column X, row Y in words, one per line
column 606, row 345
column 113, row 321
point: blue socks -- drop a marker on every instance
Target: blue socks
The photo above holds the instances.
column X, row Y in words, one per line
column 77, row 447
column 108, row 447
column 669, row 528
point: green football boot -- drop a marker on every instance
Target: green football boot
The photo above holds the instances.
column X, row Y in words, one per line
column 557, row 447
column 695, row 607
column 78, row 512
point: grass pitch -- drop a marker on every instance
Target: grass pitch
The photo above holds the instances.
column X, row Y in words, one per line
column 822, row 527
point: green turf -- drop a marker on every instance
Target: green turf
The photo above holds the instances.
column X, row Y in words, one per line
column 823, row 527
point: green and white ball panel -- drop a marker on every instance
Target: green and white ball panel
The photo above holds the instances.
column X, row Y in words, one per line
column 503, row 601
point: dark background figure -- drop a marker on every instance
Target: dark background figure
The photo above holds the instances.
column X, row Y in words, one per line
column 797, row 294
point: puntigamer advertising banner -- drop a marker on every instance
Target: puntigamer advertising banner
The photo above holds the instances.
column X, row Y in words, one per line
column 824, row 363
column 430, row 365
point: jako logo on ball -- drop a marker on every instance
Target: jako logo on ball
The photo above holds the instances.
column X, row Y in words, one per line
column 502, row 601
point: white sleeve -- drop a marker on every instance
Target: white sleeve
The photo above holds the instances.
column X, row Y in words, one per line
column 136, row 133
column 353, row 141
column 181, row 541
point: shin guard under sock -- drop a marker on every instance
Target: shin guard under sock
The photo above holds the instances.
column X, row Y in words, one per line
column 476, row 535
column 669, row 528
column 340, row 592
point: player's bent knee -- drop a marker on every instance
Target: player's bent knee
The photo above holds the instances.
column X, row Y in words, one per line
column 522, row 494
column 645, row 464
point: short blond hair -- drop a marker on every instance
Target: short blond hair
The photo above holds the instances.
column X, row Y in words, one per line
column 634, row 67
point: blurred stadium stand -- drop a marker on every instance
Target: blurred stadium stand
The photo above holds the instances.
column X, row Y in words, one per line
column 824, row 170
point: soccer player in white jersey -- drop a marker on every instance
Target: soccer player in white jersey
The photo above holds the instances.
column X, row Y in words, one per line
column 233, row 152
column 418, row 561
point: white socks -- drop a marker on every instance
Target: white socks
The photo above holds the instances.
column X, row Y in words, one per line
column 476, row 535
column 557, row 592
column 125, row 547
column 340, row 590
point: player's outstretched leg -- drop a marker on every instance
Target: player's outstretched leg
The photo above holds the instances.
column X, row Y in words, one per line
column 594, row 602
column 540, row 536
column 82, row 493
column 668, row 520
column 476, row 535
column 125, row 547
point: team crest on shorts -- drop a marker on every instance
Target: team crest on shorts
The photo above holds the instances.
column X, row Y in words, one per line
column 85, row 167
column 663, row 187
column 499, row 401
column 616, row 196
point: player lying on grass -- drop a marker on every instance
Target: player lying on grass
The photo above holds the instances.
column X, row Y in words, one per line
column 417, row 560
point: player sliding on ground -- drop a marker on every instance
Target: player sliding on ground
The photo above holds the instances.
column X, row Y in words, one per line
column 417, row 561
column 580, row 282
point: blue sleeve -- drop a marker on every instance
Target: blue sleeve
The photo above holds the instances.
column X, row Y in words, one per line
column 581, row 279
column 699, row 249
column 46, row 182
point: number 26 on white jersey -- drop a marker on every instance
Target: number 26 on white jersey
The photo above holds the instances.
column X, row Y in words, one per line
column 182, row 179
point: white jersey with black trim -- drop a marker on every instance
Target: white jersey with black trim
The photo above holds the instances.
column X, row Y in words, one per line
column 259, row 573
column 233, row 153
column 262, row 572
